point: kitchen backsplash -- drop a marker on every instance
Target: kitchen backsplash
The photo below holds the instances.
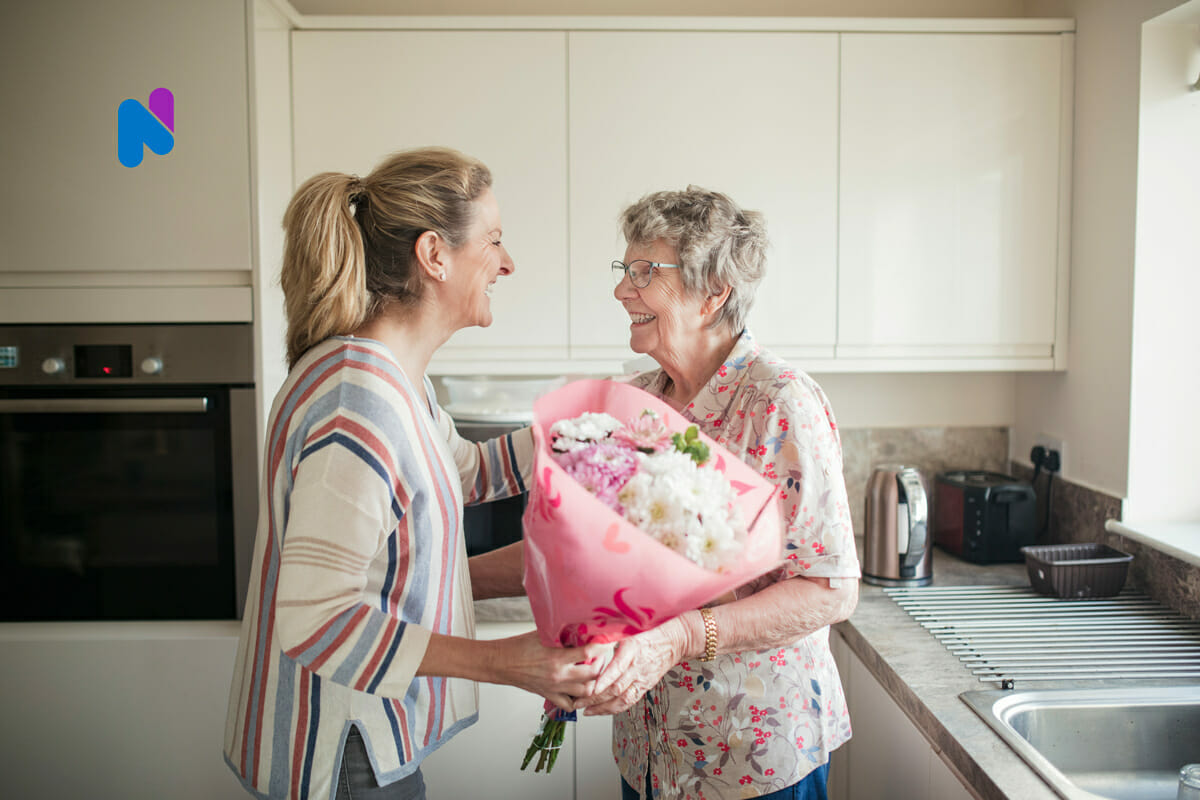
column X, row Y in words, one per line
column 1077, row 516
column 1077, row 513
column 932, row 450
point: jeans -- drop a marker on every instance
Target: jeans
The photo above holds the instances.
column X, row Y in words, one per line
column 810, row 787
column 357, row 780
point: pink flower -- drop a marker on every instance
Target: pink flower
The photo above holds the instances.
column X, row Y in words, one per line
column 602, row 469
column 648, row 433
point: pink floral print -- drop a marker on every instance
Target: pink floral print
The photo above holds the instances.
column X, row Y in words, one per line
column 752, row 723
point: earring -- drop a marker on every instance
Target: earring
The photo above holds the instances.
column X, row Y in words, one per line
column 442, row 275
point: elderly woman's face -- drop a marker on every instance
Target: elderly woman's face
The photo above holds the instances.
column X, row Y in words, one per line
column 663, row 317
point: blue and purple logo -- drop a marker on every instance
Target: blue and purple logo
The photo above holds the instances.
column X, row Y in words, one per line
column 139, row 127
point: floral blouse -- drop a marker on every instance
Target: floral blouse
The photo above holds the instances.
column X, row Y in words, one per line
column 747, row 724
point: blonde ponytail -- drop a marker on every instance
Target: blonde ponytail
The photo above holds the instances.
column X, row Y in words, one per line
column 324, row 267
column 350, row 243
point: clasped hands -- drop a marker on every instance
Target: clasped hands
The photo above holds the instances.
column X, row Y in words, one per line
column 611, row 677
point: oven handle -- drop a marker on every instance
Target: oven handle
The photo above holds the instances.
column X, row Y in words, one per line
column 105, row 405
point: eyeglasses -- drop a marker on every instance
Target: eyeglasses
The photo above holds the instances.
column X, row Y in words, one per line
column 640, row 272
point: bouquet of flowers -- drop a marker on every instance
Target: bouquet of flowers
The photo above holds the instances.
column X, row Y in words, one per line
column 634, row 517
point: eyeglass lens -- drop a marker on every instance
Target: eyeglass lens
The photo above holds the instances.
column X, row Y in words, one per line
column 639, row 272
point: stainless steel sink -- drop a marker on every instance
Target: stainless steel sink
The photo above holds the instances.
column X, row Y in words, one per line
column 1121, row 743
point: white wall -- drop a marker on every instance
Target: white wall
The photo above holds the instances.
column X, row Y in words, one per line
column 1088, row 405
column 271, row 96
column 1164, row 428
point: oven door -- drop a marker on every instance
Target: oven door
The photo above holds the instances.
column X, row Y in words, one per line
column 116, row 504
column 489, row 526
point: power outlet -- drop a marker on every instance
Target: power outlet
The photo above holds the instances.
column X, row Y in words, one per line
column 1052, row 443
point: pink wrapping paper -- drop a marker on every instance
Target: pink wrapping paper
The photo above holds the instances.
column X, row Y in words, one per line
column 592, row 576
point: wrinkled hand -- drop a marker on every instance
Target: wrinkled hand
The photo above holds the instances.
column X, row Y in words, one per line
column 638, row 663
column 556, row 673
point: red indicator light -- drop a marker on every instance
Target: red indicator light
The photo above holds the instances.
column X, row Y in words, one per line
column 106, row 370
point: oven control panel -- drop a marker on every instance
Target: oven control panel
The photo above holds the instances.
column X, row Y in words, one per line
column 70, row 355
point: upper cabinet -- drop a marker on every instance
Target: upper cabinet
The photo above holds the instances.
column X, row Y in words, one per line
column 950, row 232
column 496, row 95
column 915, row 184
column 70, row 205
column 652, row 111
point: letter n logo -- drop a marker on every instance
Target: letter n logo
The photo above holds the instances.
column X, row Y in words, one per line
column 139, row 127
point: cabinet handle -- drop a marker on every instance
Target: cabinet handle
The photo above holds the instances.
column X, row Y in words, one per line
column 105, row 405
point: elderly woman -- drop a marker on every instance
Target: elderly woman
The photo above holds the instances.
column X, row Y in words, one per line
column 741, row 699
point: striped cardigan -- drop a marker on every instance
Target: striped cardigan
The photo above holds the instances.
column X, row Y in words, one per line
column 359, row 556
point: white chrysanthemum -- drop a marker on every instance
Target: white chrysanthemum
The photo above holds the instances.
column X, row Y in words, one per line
column 689, row 509
column 588, row 427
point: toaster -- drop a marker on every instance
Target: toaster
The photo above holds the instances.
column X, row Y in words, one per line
column 983, row 517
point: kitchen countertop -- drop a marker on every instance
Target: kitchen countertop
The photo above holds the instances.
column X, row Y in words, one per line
column 925, row 680
column 918, row 673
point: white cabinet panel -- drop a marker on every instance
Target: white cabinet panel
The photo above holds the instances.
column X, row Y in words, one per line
column 69, row 205
column 753, row 115
column 887, row 756
column 498, row 96
column 949, row 193
column 485, row 759
column 596, row 773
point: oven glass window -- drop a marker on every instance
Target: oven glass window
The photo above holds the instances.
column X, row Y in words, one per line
column 116, row 506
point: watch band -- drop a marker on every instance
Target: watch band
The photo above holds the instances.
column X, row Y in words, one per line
column 710, row 635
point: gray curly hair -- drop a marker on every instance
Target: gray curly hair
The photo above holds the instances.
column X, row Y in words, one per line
column 719, row 244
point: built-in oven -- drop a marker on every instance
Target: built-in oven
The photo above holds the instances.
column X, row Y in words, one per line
column 127, row 471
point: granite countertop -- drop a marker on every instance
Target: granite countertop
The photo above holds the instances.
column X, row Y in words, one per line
column 925, row 680
column 918, row 672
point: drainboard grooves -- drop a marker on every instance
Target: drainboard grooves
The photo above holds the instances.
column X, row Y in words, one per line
column 1006, row 633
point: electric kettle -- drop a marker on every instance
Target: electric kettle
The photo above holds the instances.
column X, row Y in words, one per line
column 897, row 549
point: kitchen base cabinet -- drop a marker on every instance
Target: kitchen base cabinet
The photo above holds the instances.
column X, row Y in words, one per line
column 129, row 710
column 887, row 756
column 485, row 759
column 596, row 774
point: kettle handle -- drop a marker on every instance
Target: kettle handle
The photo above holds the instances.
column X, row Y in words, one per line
column 918, row 521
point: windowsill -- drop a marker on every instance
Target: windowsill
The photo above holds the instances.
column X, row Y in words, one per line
column 1180, row 540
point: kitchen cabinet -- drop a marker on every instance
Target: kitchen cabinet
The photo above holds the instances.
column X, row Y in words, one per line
column 952, row 231
column 497, row 95
column 887, row 756
column 70, row 205
column 129, row 710
column 488, row 754
column 915, row 183
column 655, row 110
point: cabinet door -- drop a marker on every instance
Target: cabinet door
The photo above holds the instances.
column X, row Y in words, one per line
column 485, row 759
column 949, row 194
column 887, row 756
column 596, row 773
column 753, row 115
column 499, row 96
column 69, row 205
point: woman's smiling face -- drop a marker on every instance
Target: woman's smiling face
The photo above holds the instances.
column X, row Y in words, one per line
column 478, row 263
column 664, row 317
